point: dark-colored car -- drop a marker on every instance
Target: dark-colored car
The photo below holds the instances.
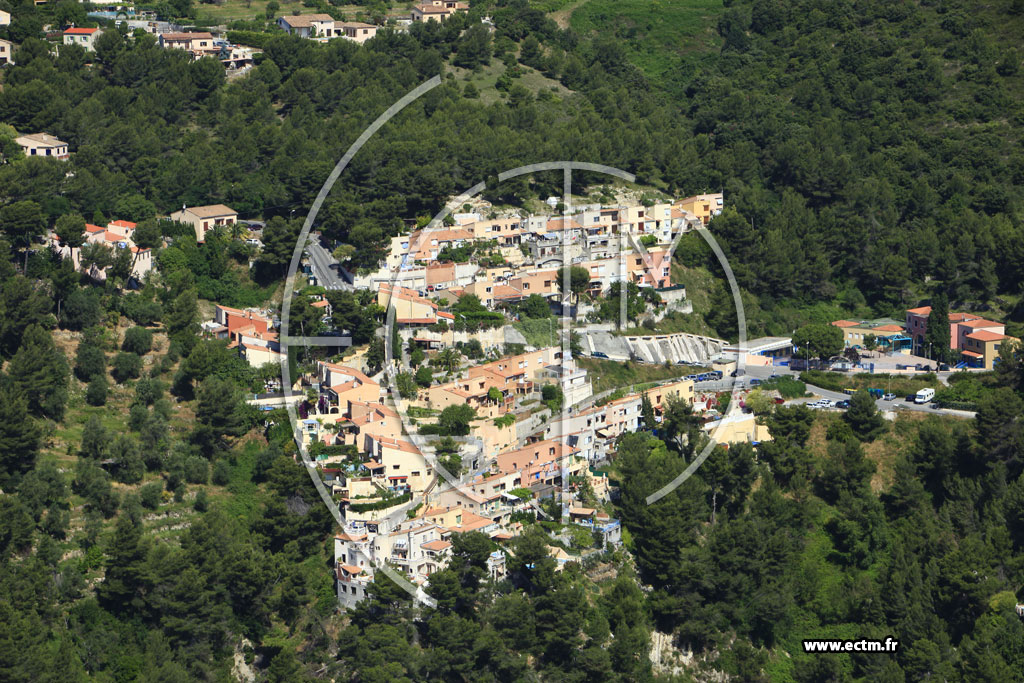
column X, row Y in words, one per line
column 911, row 398
column 843, row 404
column 599, row 354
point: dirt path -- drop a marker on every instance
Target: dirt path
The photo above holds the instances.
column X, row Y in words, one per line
column 561, row 17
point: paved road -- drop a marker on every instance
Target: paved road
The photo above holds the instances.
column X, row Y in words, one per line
column 325, row 268
column 899, row 403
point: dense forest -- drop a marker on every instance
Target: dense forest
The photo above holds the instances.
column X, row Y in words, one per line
column 153, row 526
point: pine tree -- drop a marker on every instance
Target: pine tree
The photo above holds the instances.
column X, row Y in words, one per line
column 40, row 371
column 19, row 435
column 864, row 418
column 120, row 591
column 182, row 319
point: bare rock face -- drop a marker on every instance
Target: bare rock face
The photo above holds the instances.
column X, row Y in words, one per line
column 297, row 506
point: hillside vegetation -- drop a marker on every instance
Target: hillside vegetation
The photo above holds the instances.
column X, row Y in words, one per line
column 870, row 155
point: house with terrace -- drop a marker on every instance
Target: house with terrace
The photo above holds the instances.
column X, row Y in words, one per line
column 412, row 310
column 311, row 26
column 203, row 219
column 341, row 385
column 197, row 43
column 437, row 10
column 116, row 235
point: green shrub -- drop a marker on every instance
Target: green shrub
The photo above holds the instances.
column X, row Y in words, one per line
column 151, row 494
column 96, row 393
column 197, row 470
column 126, row 366
column 221, row 473
column 138, row 340
column 833, row 381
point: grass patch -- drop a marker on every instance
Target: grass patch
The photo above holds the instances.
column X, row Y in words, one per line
column 240, row 498
column 901, row 385
column 608, row 374
column 656, row 35
column 485, row 78
column 539, row 332
column 699, row 283
column 787, row 387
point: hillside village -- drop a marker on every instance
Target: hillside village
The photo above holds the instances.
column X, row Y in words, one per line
column 490, row 433
column 532, row 433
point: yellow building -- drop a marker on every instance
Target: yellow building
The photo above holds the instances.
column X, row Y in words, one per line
column 981, row 349
column 703, row 206
column 741, row 428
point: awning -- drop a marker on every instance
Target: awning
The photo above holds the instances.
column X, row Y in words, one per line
column 399, row 477
column 971, row 354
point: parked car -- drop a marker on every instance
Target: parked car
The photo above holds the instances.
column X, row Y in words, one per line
column 889, row 397
column 843, row 404
column 754, row 382
column 911, row 397
column 779, row 400
column 599, row 354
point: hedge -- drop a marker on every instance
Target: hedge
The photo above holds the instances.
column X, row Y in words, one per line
column 381, row 504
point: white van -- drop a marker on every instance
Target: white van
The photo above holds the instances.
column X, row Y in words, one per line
column 924, row 396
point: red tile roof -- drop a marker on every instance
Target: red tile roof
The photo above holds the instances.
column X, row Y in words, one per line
column 981, row 322
column 436, row 545
column 80, row 31
column 986, row 336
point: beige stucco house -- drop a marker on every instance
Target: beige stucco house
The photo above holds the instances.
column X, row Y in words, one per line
column 206, row 218
column 42, row 145
column 6, row 52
